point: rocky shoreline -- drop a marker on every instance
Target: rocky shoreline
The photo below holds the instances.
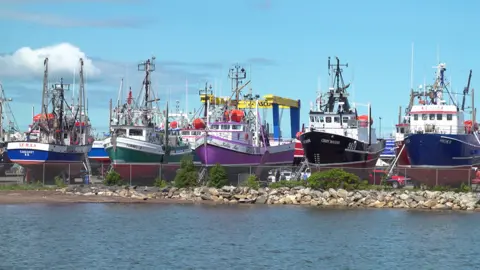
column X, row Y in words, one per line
column 406, row 199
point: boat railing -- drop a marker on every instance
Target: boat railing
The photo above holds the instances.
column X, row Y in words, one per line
column 440, row 129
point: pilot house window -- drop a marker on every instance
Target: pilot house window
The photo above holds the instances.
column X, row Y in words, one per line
column 449, row 117
column 424, row 117
column 135, row 132
column 328, row 119
column 439, row 116
column 415, row 117
column 432, row 116
column 345, row 119
column 312, row 119
column 322, row 119
column 336, row 119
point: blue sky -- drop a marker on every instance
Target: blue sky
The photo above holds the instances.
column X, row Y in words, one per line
column 284, row 43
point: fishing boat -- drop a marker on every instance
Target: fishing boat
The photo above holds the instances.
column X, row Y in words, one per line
column 337, row 136
column 442, row 146
column 234, row 138
column 63, row 135
column 139, row 150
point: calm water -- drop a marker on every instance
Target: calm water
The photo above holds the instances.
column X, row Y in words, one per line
column 116, row 236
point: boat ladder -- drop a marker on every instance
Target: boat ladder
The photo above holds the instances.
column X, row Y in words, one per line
column 298, row 174
column 202, row 174
column 88, row 168
column 394, row 163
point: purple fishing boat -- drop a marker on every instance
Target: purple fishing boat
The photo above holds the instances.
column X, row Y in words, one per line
column 235, row 138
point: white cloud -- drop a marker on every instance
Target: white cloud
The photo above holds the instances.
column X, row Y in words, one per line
column 63, row 59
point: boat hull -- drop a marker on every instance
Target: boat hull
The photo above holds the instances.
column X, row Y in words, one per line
column 324, row 150
column 46, row 161
column 241, row 160
column 141, row 163
column 442, row 159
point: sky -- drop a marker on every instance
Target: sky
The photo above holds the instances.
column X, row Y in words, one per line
column 283, row 45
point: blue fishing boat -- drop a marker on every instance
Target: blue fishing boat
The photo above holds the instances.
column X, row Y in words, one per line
column 62, row 138
column 442, row 147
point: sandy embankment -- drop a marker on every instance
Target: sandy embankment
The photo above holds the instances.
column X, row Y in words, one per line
column 51, row 196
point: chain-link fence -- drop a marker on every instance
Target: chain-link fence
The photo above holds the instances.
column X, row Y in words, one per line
column 146, row 174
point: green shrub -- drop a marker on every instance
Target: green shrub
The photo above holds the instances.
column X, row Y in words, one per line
column 252, row 182
column 334, row 178
column 59, row 182
column 464, row 188
column 113, row 178
column 217, row 176
column 289, row 184
column 160, row 183
column 186, row 176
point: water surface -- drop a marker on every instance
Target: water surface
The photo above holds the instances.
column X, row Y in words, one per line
column 123, row 236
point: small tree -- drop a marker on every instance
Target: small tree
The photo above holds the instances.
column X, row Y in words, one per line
column 252, row 182
column 186, row 176
column 113, row 178
column 160, row 183
column 217, row 176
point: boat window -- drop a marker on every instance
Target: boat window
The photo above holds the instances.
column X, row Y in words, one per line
column 236, row 127
column 316, row 119
column 120, row 132
column 439, row 116
column 336, row 119
column 415, row 117
column 225, row 127
column 322, row 119
column 424, row 117
column 328, row 119
column 345, row 119
column 185, row 132
column 402, row 130
column 214, row 127
column 135, row 132
column 432, row 116
column 312, row 119
column 449, row 117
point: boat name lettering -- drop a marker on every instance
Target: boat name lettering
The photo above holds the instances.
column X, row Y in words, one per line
column 26, row 153
column 306, row 141
column 28, row 145
column 133, row 146
column 352, row 145
column 446, row 141
column 330, row 141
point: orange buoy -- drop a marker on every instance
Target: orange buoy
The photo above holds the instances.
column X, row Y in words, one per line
column 198, row 123
column 364, row 119
column 43, row 117
column 298, row 135
column 173, row 124
column 237, row 115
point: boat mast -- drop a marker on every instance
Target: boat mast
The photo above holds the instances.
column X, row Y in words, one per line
column 44, row 105
column 81, row 97
column 337, row 93
column 237, row 74
column 147, row 66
